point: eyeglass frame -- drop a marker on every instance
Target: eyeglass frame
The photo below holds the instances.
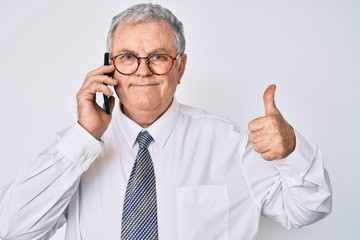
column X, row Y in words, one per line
column 138, row 58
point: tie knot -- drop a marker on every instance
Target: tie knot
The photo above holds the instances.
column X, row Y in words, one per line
column 144, row 139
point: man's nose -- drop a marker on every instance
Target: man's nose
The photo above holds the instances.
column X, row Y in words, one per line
column 143, row 69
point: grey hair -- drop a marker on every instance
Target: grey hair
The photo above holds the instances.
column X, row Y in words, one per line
column 142, row 13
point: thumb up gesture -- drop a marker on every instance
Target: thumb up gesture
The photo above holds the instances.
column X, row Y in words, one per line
column 271, row 135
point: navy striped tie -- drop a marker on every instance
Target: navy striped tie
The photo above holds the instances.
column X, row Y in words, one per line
column 139, row 218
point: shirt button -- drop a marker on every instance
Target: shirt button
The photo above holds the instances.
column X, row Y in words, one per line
column 90, row 157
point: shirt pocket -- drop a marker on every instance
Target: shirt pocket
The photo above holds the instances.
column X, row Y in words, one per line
column 203, row 212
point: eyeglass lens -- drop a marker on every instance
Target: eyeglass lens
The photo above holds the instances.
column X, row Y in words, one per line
column 128, row 64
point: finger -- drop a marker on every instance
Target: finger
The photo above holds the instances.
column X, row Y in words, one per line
column 103, row 70
column 100, row 88
column 268, row 156
column 99, row 79
column 262, row 147
column 269, row 100
column 257, row 136
column 257, row 124
column 100, row 75
column 89, row 92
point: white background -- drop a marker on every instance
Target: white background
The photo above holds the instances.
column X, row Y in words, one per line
column 309, row 48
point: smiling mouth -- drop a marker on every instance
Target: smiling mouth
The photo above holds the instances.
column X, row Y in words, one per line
column 145, row 85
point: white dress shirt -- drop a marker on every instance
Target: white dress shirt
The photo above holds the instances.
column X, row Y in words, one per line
column 210, row 183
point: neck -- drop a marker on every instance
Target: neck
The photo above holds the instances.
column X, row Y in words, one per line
column 144, row 117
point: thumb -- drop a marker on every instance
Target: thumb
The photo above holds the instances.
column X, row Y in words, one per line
column 269, row 100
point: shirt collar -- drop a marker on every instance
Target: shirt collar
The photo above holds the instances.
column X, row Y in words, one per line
column 160, row 130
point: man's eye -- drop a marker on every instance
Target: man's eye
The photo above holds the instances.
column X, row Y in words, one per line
column 128, row 57
column 158, row 58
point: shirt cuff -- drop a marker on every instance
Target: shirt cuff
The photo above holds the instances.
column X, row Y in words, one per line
column 300, row 159
column 79, row 146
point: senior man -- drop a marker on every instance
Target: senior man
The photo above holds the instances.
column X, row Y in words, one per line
column 156, row 169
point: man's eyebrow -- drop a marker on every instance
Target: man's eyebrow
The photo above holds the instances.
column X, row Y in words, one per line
column 160, row 50
column 125, row 50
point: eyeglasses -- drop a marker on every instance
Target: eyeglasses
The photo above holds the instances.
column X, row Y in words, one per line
column 160, row 64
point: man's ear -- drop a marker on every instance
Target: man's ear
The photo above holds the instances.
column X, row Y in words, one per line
column 181, row 67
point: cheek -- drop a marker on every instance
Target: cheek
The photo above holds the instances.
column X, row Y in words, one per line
column 121, row 83
column 169, row 87
column 173, row 79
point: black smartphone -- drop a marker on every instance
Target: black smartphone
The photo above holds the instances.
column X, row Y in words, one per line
column 106, row 98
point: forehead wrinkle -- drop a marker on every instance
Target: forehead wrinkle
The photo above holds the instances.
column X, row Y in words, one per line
column 134, row 52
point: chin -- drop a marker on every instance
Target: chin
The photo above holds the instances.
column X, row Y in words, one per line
column 146, row 104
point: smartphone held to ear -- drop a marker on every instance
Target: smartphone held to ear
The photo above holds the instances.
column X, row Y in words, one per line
column 106, row 98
